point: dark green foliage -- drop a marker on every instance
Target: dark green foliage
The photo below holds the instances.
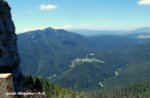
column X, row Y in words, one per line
column 37, row 84
column 137, row 90
column 132, row 91
column 28, row 83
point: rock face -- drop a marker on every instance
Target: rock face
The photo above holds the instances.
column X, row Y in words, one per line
column 9, row 58
column 6, row 85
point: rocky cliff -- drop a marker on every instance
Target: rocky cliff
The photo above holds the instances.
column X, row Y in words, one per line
column 9, row 58
column 6, row 85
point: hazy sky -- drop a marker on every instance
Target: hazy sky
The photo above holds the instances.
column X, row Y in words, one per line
column 80, row 14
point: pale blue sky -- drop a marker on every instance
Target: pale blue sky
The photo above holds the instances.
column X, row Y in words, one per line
column 80, row 14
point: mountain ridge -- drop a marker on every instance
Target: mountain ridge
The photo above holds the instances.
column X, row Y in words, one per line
column 53, row 51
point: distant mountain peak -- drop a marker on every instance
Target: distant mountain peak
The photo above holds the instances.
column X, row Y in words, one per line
column 49, row 28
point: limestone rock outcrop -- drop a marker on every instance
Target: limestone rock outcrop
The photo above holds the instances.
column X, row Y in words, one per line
column 6, row 85
column 9, row 58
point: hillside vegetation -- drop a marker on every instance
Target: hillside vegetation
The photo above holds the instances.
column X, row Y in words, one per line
column 132, row 91
column 36, row 84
